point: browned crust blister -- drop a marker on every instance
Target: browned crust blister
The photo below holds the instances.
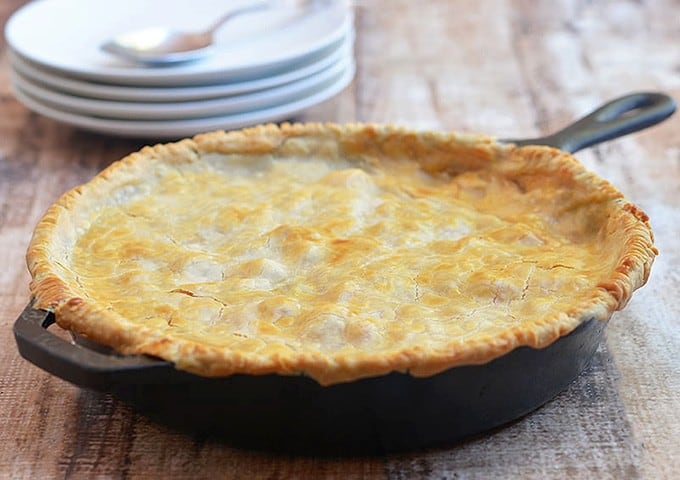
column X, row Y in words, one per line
column 56, row 288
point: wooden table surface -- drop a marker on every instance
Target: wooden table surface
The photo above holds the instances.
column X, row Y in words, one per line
column 509, row 68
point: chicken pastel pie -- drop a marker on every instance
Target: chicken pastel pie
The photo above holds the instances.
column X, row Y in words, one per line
column 337, row 252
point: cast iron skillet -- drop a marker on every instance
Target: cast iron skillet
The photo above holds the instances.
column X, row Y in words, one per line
column 370, row 416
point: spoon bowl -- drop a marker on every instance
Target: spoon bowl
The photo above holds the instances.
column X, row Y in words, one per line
column 160, row 46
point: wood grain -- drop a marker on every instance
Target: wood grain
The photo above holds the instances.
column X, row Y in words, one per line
column 510, row 68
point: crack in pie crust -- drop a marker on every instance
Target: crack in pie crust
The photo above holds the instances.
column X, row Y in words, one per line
column 338, row 252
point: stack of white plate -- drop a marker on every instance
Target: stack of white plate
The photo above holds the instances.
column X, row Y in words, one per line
column 267, row 65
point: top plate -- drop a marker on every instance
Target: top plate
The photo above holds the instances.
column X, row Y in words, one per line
column 136, row 93
column 251, row 45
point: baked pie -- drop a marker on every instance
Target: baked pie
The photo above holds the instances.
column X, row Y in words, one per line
column 337, row 252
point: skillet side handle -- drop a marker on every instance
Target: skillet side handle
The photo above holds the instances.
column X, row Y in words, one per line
column 614, row 119
column 76, row 364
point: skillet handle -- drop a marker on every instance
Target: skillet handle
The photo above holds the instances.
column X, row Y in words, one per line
column 79, row 365
column 616, row 118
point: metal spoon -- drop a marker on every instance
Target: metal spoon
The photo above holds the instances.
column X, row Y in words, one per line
column 163, row 46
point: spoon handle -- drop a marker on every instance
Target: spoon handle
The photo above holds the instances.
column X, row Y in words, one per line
column 614, row 119
column 249, row 8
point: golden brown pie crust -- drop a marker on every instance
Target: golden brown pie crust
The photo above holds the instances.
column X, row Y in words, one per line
column 338, row 252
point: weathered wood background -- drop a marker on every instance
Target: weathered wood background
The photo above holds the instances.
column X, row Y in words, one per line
column 511, row 68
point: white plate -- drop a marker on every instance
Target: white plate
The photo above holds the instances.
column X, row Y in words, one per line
column 184, row 110
column 65, row 35
column 173, row 129
column 83, row 88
